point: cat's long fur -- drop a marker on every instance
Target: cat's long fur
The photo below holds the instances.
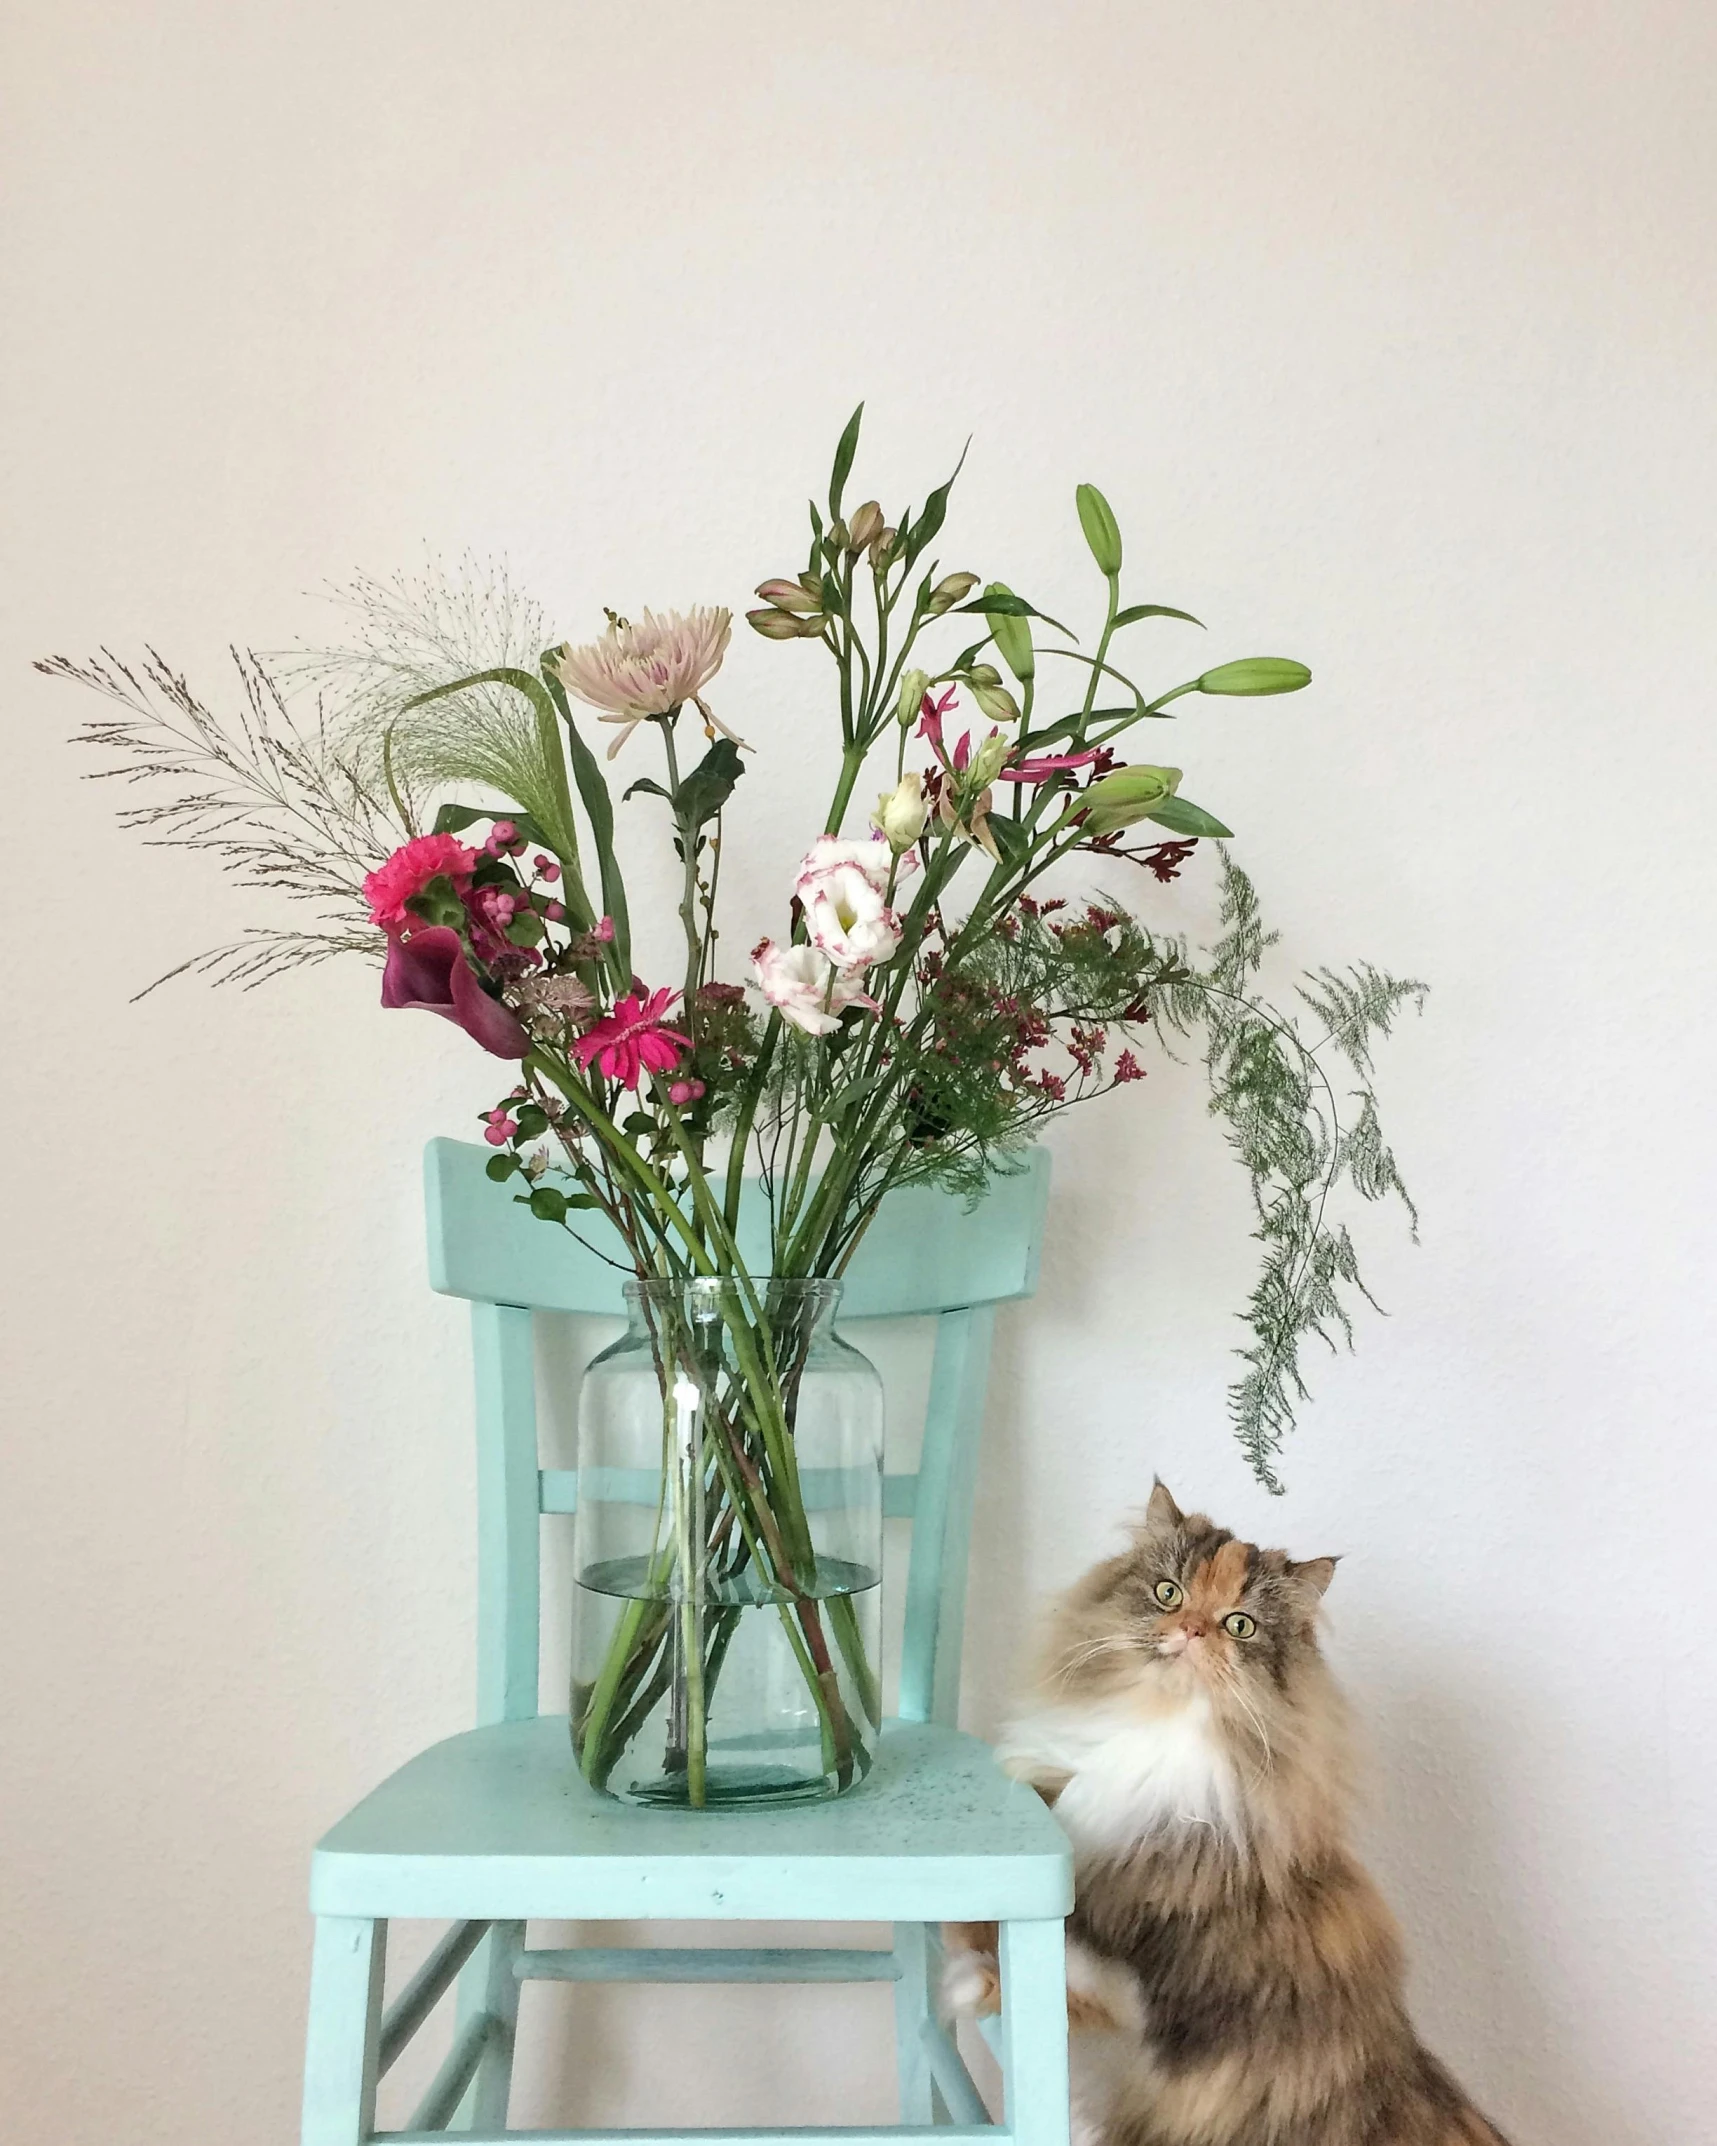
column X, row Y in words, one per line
column 1234, row 1978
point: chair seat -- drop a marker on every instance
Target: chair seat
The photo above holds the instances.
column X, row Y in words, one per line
column 499, row 1823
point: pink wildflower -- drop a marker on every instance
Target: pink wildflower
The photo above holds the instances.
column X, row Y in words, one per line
column 409, row 870
column 1127, row 1068
column 1044, row 765
column 932, row 712
column 633, row 1040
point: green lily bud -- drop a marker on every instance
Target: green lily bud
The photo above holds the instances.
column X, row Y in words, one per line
column 952, row 589
column 990, row 757
column 783, row 626
column 997, row 703
column 913, row 687
column 791, row 596
column 1130, row 793
column 840, row 536
column 1256, row 674
column 1103, row 535
column 984, row 674
column 1011, row 634
column 902, row 813
column 881, row 548
column 865, row 525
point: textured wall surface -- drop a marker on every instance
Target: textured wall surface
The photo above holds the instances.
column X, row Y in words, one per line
column 1389, row 333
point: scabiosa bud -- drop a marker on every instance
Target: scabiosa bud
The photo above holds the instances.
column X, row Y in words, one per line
column 949, row 591
column 790, row 596
column 783, row 626
column 997, row 703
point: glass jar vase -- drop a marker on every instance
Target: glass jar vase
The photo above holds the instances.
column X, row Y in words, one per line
column 728, row 1549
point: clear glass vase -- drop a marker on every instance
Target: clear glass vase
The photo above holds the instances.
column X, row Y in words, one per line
column 728, row 1549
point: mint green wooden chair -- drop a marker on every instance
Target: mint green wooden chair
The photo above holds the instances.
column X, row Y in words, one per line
column 493, row 1827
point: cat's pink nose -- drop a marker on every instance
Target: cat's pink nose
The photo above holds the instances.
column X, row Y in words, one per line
column 1194, row 1629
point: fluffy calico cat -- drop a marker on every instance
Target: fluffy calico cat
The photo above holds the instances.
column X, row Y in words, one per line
column 1233, row 1977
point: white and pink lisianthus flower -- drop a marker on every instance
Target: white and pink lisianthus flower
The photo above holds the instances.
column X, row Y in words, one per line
column 805, row 986
column 648, row 667
column 409, row 870
column 843, row 888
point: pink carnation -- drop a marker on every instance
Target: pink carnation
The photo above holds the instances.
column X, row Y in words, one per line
column 409, row 870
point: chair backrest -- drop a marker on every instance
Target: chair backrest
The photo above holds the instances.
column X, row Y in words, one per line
column 927, row 1254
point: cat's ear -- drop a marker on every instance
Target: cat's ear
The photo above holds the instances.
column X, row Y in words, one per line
column 1162, row 1513
column 1313, row 1572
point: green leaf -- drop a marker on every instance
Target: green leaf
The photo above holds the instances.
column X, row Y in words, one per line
column 844, row 452
column 919, row 534
column 1135, row 612
column 649, row 785
column 709, row 785
column 1256, row 674
column 532, row 1120
column 599, row 810
column 1181, row 817
column 640, row 1125
column 547, row 1203
column 997, row 602
column 500, row 1167
column 1011, row 839
column 1102, row 532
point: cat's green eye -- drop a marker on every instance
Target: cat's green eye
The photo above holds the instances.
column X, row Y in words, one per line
column 1238, row 1625
column 1169, row 1595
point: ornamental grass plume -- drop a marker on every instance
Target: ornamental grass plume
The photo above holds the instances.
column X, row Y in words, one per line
column 649, row 668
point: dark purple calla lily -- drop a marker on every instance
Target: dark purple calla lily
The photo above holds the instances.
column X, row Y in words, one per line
column 429, row 970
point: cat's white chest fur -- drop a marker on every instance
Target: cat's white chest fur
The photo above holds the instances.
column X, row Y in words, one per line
column 1128, row 1772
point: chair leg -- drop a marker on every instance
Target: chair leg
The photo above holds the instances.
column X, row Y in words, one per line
column 913, row 1997
column 494, row 2081
column 345, row 2018
column 1034, row 2032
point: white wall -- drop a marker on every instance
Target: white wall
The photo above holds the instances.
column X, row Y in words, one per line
column 1389, row 332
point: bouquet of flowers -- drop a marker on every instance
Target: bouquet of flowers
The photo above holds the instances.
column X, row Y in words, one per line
column 926, row 1002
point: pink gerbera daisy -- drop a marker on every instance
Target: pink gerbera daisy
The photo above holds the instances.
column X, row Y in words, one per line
column 633, row 1040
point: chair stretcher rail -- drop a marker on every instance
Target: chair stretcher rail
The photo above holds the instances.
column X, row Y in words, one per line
column 708, row 1963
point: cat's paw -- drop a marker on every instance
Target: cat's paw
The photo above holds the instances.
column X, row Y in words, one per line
column 971, row 1986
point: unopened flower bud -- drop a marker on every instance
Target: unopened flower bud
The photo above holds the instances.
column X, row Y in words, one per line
column 1257, row 674
column 984, row 674
column 790, row 596
column 1130, row 793
column 1011, row 634
column 987, row 762
column 865, row 526
column 997, row 703
column 949, row 591
column 882, row 545
column 913, row 687
column 1102, row 533
column 784, row 626
column 840, row 537
column 901, row 813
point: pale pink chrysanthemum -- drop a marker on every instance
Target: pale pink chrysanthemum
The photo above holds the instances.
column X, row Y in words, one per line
column 648, row 666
